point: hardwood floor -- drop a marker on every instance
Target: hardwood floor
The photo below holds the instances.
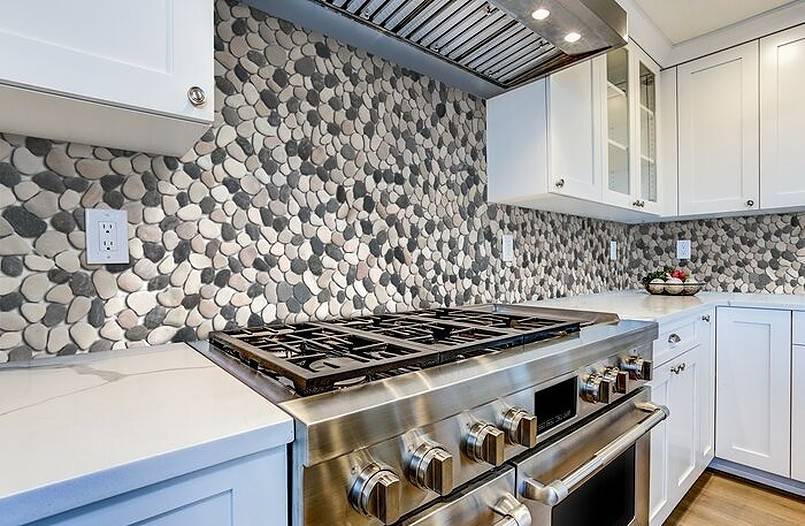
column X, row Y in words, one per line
column 718, row 499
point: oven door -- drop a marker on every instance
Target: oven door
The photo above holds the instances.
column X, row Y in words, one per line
column 596, row 474
column 490, row 502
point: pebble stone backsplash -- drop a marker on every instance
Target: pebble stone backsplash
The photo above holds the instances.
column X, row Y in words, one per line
column 333, row 183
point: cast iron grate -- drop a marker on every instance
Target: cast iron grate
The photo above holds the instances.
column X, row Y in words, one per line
column 317, row 357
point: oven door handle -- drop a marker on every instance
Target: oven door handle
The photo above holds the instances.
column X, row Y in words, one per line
column 555, row 492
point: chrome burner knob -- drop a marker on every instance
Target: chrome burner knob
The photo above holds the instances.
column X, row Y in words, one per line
column 431, row 467
column 520, row 427
column 619, row 379
column 596, row 388
column 485, row 443
column 638, row 368
column 376, row 493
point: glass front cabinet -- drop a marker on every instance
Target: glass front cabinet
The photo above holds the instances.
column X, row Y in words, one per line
column 629, row 83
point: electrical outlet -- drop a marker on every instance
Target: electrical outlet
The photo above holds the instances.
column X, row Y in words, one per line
column 683, row 249
column 613, row 250
column 508, row 247
column 107, row 236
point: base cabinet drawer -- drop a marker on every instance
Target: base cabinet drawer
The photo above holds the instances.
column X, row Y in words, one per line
column 251, row 491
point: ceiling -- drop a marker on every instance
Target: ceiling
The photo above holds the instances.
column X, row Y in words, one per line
column 682, row 20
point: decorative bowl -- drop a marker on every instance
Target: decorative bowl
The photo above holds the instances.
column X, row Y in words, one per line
column 685, row 288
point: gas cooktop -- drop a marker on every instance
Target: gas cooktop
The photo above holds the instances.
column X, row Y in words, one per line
column 320, row 356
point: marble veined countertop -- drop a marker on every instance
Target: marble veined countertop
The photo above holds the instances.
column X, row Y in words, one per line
column 640, row 305
column 77, row 430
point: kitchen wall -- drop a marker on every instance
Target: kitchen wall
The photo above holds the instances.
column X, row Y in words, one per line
column 741, row 254
column 333, row 183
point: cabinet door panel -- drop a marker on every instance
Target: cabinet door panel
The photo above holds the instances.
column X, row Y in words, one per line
column 684, row 424
column 140, row 55
column 798, row 414
column 660, row 499
column 753, row 382
column 719, row 132
column 706, row 394
column 782, row 119
column 573, row 113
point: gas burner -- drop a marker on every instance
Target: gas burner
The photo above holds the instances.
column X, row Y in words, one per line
column 316, row 357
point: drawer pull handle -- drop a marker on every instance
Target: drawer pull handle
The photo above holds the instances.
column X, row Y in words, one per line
column 555, row 492
column 674, row 339
column 678, row 369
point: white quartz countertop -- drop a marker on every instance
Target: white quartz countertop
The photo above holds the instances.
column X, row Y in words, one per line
column 640, row 305
column 81, row 429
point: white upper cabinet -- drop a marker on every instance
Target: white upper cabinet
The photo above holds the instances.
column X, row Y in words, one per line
column 753, row 397
column 108, row 73
column 583, row 141
column 782, row 119
column 718, row 132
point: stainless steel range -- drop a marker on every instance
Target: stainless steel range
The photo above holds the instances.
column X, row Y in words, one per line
column 494, row 414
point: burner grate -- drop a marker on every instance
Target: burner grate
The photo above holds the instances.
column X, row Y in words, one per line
column 320, row 356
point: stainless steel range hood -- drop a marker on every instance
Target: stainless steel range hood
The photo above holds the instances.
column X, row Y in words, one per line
column 481, row 46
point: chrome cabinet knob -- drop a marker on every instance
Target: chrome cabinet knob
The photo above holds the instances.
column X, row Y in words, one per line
column 560, row 183
column 196, row 96
column 706, row 318
column 485, row 443
column 638, row 368
column 431, row 467
column 596, row 388
column 750, row 203
column 619, row 379
column 376, row 493
column 673, row 339
column 520, row 427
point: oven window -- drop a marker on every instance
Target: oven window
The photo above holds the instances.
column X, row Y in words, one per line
column 606, row 498
column 556, row 404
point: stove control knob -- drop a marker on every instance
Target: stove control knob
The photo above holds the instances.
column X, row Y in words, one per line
column 431, row 467
column 376, row 493
column 520, row 427
column 637, row 367
column 619, row 379
column 596, row 388
column 485, row 443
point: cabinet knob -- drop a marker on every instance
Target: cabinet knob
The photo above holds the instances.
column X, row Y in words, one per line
column 706, row 318
column 376, row 493
column 196, row 96
column 520, row 427
column 560, row 183
column 750, row 203
column 673, row 339
column 485, row 443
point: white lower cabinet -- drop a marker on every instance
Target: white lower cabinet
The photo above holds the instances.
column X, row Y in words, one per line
column 753, row 389
column 250, row 491
column 681, row 447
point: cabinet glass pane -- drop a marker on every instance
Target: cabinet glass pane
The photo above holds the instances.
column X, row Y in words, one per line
column 618, row 120
column 648, row 134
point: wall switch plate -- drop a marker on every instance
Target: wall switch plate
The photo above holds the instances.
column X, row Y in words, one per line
column 683, row 249
column 508, row 247
column 107, row 238
column 613, row 250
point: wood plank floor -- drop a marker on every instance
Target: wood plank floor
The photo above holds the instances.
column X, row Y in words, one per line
column 718, row 499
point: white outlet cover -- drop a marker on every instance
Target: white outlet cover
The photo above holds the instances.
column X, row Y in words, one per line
column 508, row 247
column 103, row 249
column 683, row 249
column 613, row 250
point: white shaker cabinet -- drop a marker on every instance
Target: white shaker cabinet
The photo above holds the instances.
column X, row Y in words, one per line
column 798, row 413
column 132, row 75
column 753, row 404
column 718, row 132
column 782, row 119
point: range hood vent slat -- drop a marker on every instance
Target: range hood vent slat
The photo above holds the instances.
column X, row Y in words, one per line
column 495, row 40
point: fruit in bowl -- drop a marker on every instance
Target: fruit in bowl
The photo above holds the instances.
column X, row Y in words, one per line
column 671, row 281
